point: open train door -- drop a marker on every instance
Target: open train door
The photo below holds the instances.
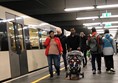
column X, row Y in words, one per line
column 17, row 48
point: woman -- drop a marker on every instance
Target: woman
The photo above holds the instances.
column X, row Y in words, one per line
column 109, row 48
column 83, row 45
column 53, row 52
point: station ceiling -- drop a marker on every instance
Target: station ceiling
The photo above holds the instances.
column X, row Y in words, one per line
column 52, row 11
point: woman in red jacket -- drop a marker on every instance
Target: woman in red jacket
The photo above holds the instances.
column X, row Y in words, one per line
column 53, row 52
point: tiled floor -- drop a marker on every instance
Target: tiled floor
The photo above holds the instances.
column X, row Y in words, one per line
column 89, row 77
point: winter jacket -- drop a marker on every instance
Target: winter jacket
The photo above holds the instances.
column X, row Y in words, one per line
column 73, row 42
column 109, row 45
column 47, row 44
column 63, row 40
column 83, row 44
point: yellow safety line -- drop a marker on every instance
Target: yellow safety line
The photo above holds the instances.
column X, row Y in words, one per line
column 38, row 80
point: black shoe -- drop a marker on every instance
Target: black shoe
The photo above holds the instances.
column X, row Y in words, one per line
column 99, row 71
column 94, row 72
column 58, row 73
column 51, row 75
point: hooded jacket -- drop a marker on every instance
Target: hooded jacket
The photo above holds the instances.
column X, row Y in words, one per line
column 109, row 45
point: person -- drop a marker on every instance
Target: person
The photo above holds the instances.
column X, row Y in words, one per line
column 109, row 48
column 95, row 43
column 73, row 40
column 83, row 47
column 63, row 42
column 53, row 51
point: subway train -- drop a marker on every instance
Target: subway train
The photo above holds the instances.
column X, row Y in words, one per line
column 21, row 43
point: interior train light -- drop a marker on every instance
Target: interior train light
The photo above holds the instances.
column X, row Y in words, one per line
column 78, row 9
column 84, row 18
column 107, row 6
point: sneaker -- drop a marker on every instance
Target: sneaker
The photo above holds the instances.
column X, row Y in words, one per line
column 109, row 72
column 112, row 70
column 99, row 71
column 94, row 72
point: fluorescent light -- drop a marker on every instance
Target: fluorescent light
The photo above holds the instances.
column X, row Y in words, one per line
column 78, row 9
column 88, row 24
column 95, row 17
column 107, row 6
column 112, row 22
column 112, row 16
column 95, row 27
column 111, row 27
column 83, row 18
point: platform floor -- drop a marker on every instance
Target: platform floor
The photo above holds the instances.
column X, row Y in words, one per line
column 42, row 76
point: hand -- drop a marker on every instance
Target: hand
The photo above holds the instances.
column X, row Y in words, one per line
column 78, row 48
column 61, row 53
column 70, row 49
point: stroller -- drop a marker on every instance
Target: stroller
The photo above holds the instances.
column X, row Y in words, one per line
column 74, row 64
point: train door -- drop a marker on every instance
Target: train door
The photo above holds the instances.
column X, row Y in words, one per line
column 17, row 50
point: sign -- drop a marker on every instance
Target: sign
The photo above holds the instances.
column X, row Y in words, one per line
column 106, row 14
column 108, row 25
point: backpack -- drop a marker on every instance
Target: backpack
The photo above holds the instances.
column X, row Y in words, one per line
column 95, row 47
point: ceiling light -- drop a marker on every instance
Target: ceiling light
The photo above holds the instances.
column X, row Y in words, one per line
column 112, row 22
column 95, row 27
column 89, row 24
column 83, row 18
column 78, row 9
column 107, row 6
column 112, row 27
column 112, row 16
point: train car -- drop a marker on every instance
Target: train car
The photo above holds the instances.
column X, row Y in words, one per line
column 21, row 48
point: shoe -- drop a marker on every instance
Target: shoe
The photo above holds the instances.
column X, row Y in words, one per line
column 94, row 72
column 112, row 70
column 109, row 72
column 51, row 76
column 99, row 71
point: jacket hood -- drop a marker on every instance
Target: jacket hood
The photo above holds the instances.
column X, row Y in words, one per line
column 107, row 36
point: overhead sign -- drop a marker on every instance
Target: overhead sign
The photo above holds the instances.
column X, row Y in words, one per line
column 106, row 14
column 108, row 25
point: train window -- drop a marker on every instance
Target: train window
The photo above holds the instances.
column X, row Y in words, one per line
column 20, row 37
column 42, row 35
column 3, row 37
column 12, row 36
column 34, row 39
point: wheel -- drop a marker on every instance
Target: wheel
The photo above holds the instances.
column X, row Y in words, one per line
column 66, row 75
column 83, row 75
column 70, row 76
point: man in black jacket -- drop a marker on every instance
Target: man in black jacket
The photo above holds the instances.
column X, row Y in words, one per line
column 63, row 42
column 73, row 41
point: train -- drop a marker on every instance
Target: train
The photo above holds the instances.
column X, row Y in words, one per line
column 21, row 43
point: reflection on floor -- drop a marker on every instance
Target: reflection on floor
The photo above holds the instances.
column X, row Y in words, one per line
column 89, row 77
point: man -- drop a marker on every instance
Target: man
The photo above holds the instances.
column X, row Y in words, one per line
column 63, row 42
column 95, row 47
column 73, row 41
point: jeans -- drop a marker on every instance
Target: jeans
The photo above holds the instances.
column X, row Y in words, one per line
column 96, row 57
column 52, row 58
column 65, row 61
column 109, row 63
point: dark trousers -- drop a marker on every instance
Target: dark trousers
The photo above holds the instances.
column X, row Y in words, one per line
column 96, row 57
column 85, row 57
column 56, row 59
column 65, row 61
column 109, row 63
